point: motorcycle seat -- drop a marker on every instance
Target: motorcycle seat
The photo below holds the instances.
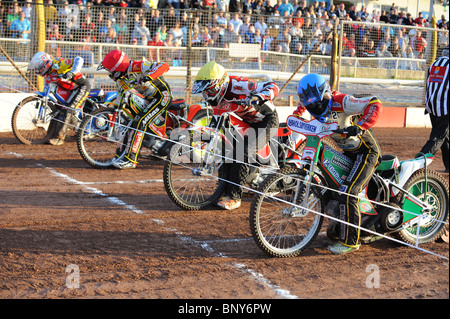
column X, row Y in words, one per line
column 388, row 162
column 177, row 105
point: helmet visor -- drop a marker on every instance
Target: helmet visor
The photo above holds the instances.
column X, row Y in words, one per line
column 318, row 108
column 203, row 85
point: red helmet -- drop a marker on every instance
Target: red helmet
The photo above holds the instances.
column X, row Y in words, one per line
column 116, row 63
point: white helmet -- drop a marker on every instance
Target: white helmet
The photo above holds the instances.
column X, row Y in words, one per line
column 41, row 62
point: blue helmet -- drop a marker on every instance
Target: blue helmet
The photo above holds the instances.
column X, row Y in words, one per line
column 311, row 91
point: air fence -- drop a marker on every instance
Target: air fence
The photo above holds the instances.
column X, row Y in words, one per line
column 72, row 34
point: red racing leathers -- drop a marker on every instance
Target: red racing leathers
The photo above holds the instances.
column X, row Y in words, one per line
column 262, row 117
column 363, row 149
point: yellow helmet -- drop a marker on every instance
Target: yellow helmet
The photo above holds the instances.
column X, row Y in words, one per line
column 212, row 81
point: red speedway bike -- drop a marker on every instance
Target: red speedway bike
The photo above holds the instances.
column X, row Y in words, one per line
column 193, row 177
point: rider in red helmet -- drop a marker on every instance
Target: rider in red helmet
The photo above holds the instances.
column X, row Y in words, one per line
column 152, row 86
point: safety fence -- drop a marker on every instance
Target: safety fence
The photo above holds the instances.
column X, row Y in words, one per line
column 263, row 46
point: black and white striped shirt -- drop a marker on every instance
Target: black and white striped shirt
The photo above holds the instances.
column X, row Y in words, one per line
column 437, row 87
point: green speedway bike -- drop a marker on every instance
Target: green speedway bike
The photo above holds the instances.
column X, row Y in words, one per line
column 404, row 199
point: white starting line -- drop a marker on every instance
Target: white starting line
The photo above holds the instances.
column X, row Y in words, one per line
column 203, row 244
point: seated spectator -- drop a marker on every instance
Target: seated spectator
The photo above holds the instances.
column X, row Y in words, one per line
column 162, row 32
column 279, row 61
column 236, row 21
column 408, row 20
column 267, row 41
column 54, row 35
column 418, row 43
column 155, row 42
column 21, row 28
column 230, row 36
column 27, row 9
column 249, row 36
column 420, row 20
column 297, row 49
column 13, row 14
column 350, row 44
column 403, row 40
column 141, row 32
column 408, row 54
column 284, row 39
column 87, row 38
column 261, row 24
column 123, row 34
column 243, row 29
column 111, row 36
column 177, row 33
column 395, row 48
column 87, row 24
column 386, row 40
column 104, row 29
column 156, row 21
column 370, row 50
column 298, row 18
column 382, row 52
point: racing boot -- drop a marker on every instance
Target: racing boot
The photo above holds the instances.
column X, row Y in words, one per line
column 340, row 249
column 229, row 204
column 62, row 126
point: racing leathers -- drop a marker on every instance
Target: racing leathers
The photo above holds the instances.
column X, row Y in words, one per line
column 152, row 85
column 66, row 73
column 363, row 149
column 261, row 116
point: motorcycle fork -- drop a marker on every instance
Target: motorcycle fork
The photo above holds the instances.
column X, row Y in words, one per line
column 42, row 111
column 303, row 188
column 210, row 163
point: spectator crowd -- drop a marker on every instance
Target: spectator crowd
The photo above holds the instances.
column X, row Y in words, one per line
column 284, row 26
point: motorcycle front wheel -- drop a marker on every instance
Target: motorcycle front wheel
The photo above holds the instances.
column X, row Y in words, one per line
column 96, row 142
column 436, row 194
column 280, row 228
column 185, row 180
column 32, row 121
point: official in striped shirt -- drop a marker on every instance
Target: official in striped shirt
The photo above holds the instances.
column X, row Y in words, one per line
column 437, row 107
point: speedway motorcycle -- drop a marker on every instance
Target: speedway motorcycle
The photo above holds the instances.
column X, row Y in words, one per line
column 102, row 132
column 193, row 178
column 35, row 119
column 403, row 199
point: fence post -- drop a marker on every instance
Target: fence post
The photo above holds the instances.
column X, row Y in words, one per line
column 333, row 64
column 40, row 36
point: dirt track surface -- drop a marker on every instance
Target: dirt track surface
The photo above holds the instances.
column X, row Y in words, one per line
column 127, row 239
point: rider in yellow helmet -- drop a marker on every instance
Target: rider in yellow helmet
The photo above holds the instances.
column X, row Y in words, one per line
column 221, row 91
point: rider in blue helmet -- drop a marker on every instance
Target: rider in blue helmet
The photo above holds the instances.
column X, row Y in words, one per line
column 314, row 94
column 356, row 116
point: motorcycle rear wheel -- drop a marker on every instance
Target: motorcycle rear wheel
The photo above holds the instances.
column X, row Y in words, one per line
column 438, row 196
column 26, row 125
column 276, row 232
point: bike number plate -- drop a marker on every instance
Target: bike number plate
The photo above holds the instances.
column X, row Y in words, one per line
column 313, row 127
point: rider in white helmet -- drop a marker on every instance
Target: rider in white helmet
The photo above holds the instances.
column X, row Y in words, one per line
column 66, row 73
